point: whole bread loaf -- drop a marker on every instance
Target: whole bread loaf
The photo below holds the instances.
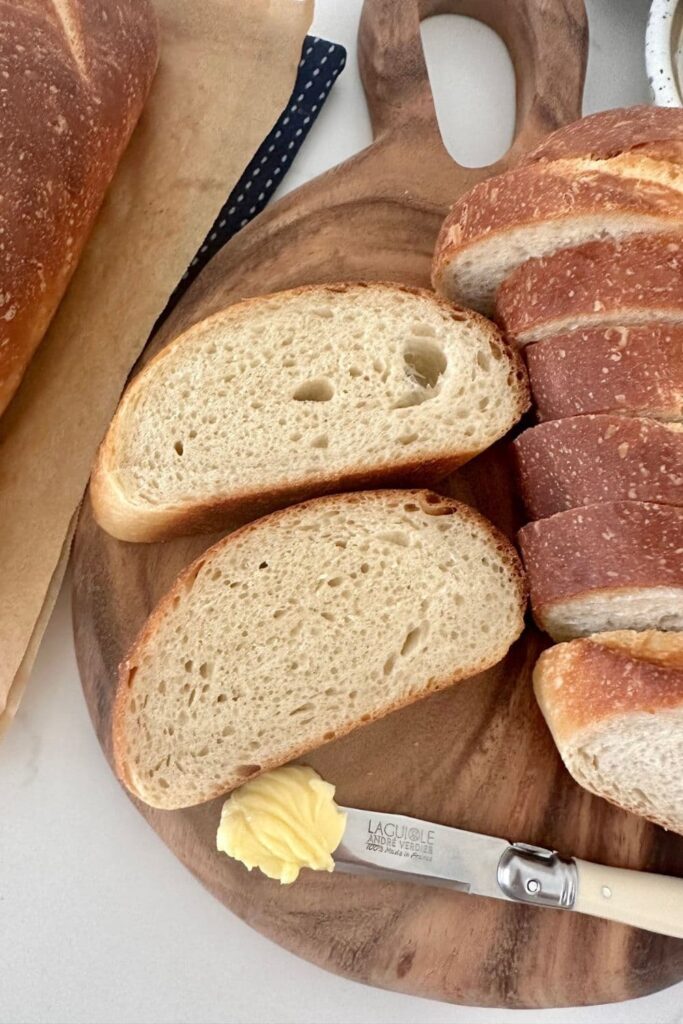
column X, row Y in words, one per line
column 610, row 565
column 585, row 459
column 614, row 704
column 303, row 625
column 635, row 370
column 631, row 281
column 304, row 392
column 75, row 75
column 549, row 204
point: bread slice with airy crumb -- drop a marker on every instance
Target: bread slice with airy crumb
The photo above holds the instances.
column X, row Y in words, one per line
column 307, row 392
column 614, row 704
column 303, row 625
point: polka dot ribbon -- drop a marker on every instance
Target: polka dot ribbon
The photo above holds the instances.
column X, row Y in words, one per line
column 321, row 62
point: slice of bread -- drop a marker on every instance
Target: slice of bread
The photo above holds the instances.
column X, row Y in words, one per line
column 538, row 209
column 578, row 461
column 624, row 370
column 632, row 281
column 656, row 131
column 611, row 565
column 301, row 626
column 307, row 392
column 614, row 704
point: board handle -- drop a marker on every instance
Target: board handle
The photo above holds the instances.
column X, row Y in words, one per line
column 652, row 902
column 547, row 42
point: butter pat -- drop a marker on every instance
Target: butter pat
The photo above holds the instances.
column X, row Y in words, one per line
column 281, row 822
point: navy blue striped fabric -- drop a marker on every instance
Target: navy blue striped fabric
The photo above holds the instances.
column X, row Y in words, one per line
column 321, row 62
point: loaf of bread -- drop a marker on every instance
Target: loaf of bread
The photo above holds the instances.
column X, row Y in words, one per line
column 614, row 704
column 301, row 626
column 75, row 75
column 632, row 281
column 624, row 370
column 585, row 459
column 320, row 389
column 610, row 565
column 548, row 204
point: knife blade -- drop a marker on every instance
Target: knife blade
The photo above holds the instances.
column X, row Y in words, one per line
column 394, row 846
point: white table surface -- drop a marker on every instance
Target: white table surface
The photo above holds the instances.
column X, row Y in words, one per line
column 98, row 921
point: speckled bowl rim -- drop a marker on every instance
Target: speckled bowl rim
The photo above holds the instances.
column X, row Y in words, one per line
column 662, row 40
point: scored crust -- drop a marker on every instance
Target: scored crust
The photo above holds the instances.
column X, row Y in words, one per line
column 436, row 504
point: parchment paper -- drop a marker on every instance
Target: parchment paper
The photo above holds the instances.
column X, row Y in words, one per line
column 227, row 69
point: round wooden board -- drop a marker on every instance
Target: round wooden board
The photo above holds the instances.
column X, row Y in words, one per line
column 478, row 756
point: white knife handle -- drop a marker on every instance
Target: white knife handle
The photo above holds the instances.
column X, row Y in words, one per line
column 653, row 902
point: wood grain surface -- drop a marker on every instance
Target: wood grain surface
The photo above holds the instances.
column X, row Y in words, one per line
column 477, row 756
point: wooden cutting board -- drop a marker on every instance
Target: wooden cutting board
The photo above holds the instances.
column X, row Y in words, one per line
column 478, row 756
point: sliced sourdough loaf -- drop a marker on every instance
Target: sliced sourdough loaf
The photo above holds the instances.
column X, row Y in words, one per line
column 624, row 370
column 614, row 704
column 611, row 565
column 305, row 392
column 633, row 281
column 301, row 626
column 548, row 204
column 585, row 459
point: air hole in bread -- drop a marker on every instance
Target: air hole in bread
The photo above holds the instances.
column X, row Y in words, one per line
column 408, row 438
column 424, row 363
column 365, row 568
column 433, row 505
column 179, row 447
column 355, row 371
column 328, row 735
column 318, row 390
column 323, row 311
column 308, row 706
column 389, row 664
column 411, row 641
column 247, row 770
column 336, row 581
column 322, row 441
column 205, row 670
column 131, row 675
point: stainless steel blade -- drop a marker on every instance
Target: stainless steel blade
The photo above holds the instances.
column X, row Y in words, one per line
column 390, row 845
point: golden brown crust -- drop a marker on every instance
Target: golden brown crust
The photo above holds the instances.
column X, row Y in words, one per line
column 559, row 192
column 585, row 459
column 593, row 284
column 121, row 519
column 75, row 76
column 631, row 370
column 588, row 681
column 658, row 131
column 434, row 503
column 609, row 547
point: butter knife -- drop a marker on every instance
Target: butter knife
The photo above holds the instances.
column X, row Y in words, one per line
column 393, row 846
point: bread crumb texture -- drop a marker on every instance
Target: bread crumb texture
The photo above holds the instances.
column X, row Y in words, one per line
column 303, row 625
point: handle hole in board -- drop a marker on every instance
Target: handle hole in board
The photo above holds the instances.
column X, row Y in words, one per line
column 473, row 84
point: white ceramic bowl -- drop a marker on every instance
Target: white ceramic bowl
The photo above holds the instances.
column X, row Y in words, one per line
column 664, row 52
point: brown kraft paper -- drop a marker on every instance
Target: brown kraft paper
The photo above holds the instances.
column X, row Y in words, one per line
column 227, row 69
